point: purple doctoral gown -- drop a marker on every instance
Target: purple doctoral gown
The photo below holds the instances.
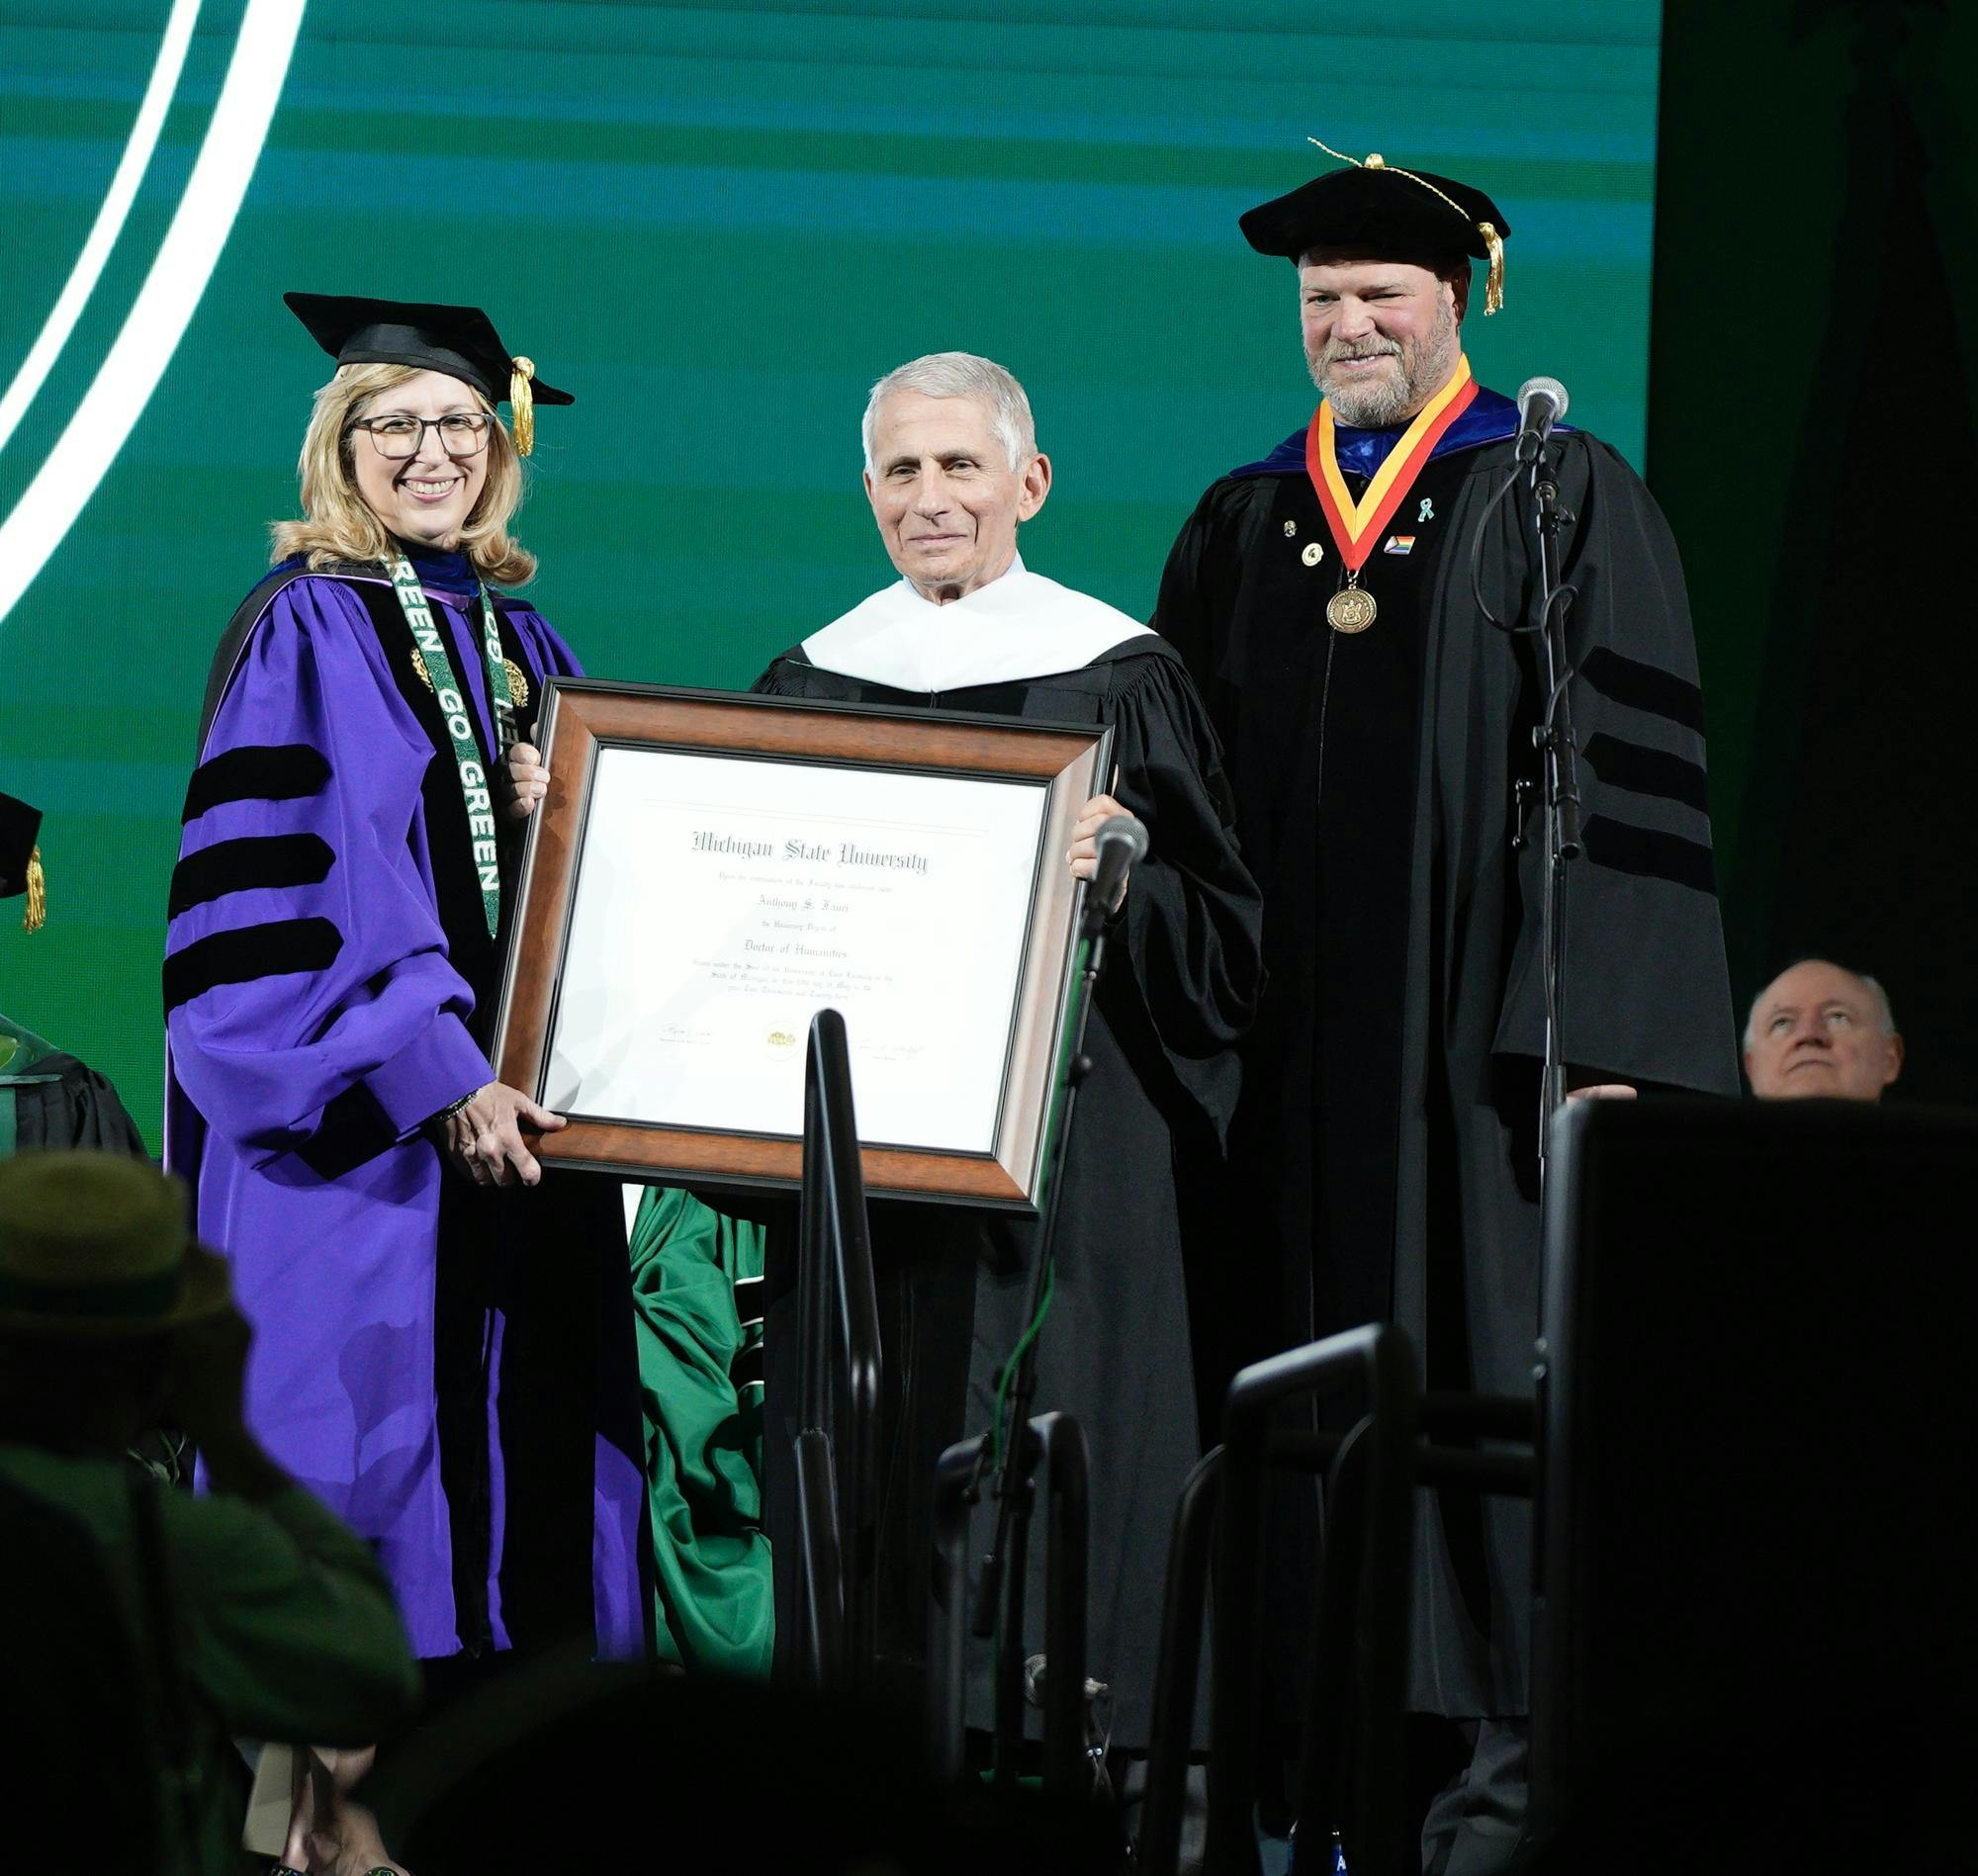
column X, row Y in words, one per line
column 451, row 1371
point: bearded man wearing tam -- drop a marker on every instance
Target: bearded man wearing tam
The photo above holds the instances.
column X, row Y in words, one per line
column 1379, row 735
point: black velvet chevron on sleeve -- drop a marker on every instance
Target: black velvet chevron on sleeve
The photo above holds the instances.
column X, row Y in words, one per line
column 257, row 772
column 261, row 860
column 1627, row 680
column 1648, row 771
column 243, row 956
column 1650, row 852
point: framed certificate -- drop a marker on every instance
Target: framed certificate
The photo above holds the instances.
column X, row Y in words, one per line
column 711, row 869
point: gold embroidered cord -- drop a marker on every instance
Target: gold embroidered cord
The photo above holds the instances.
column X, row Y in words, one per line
column 1493, row 242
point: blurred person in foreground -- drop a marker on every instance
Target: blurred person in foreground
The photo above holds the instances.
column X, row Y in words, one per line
column 250, row 1611
column 1820, row 1032
column 443, row 1339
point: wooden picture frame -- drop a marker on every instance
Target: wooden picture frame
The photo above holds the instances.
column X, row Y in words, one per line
column 583, row 719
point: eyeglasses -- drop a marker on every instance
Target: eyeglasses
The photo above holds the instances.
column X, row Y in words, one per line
column 461, row 433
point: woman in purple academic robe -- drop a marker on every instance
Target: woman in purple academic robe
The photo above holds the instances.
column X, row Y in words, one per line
column 443, row 1341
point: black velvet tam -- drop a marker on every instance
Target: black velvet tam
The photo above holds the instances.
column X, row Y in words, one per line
column 1377, row 213
column 459, row 341
column 20, row 827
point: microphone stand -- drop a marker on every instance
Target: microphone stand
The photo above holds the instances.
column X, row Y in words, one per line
column 1560, row 830
column 1014, row 1488
column 1561, row 822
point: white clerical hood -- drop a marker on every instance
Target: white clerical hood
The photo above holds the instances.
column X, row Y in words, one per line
column 1018, row 626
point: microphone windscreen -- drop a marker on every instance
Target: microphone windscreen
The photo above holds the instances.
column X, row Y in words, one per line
column 1124, row 827
column 1542, row 388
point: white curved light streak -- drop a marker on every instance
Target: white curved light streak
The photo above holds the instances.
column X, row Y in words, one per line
column 110, row 219
column 164, row 305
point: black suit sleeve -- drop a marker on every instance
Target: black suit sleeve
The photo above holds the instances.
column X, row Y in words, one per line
column 1193, row 919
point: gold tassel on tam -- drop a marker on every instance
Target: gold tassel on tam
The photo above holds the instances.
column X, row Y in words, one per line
column 1493, row 281
column 37, row 914
column 524, row 404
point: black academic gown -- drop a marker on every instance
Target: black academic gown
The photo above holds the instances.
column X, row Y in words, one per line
column 1151, row 1123
column 1387, row 1147
column 61, row 1102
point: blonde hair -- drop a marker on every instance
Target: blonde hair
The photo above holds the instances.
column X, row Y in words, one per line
column 336, row 524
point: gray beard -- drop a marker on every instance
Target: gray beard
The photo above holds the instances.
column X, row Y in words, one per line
column 1424, row 369
column 1369, row 406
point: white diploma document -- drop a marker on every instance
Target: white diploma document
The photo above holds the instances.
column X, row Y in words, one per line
column 723, row 900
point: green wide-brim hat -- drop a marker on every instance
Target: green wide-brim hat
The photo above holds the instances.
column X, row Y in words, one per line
column 97, row 1245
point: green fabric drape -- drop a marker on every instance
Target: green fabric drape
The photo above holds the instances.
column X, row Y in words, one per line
column 20, row 1052
column 714, row 1607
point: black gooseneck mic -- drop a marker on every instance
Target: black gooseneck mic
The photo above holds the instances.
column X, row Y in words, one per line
column 1122, row 845
column 1542, row 402
column 1121, row 842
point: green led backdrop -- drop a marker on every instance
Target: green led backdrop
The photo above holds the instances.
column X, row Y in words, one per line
column 717, row 225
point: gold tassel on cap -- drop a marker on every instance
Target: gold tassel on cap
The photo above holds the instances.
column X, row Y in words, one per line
column 1493, row 242
column 37, row 914
column 1493, row 281
column 523, row 400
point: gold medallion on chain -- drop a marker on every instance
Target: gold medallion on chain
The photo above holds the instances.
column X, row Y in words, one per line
column 1351, row 609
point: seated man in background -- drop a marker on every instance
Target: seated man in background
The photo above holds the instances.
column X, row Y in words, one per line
column 249, row 1611
column 1817, row 1029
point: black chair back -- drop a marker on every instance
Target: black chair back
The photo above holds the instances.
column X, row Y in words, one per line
column 1377, row 1366
column 840, row 1376
column 83, row 1772
column 1064, row 1461
column 1758, row 1423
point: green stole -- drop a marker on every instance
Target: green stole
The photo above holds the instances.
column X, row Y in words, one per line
column 21, row 1051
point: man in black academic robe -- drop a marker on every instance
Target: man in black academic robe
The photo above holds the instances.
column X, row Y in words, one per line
column 953, row 468
column 48, row 1098
column 1387, row 1141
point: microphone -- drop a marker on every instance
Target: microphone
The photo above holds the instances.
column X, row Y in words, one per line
column 1033, row 1682
column 1035, row 1669
column 1541, row 403
column 1122, row 845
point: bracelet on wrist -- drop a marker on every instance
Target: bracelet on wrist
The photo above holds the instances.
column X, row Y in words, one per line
column 457, row 1107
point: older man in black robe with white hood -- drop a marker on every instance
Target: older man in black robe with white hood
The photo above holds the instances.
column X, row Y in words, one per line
column 952, row 469
column 1379, row 732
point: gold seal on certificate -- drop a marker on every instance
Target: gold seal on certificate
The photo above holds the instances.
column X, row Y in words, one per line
column 710, row 870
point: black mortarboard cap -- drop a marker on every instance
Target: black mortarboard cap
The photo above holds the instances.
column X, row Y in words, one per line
column 459, row 341
column 1380, row 211
column 20, row 862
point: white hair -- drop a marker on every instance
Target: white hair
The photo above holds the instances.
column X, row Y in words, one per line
column 961, row 374
column 1883, row 1014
